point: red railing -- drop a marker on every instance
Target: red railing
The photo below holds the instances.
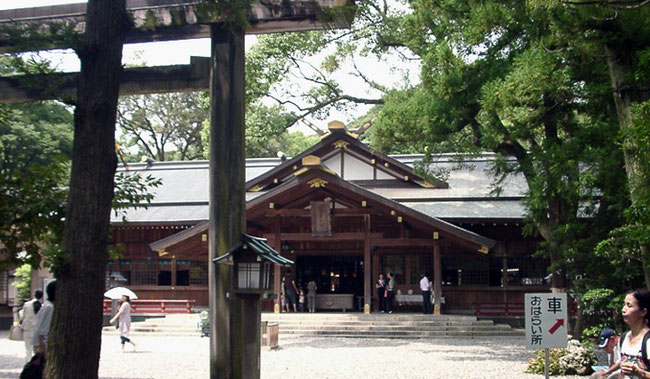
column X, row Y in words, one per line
column 156, row 306
column 509, row 309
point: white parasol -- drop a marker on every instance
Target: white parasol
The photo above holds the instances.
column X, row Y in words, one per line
column 117, row 293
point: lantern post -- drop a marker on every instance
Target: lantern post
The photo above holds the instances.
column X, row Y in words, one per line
column 252, row 263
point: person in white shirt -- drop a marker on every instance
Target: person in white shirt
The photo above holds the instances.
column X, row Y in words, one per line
column 634, row 349
column 425, row 286
column 28, row 322
column 44, row 319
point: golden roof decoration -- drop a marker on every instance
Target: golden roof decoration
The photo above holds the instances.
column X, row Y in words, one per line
column 317, row 183
column 340, row 144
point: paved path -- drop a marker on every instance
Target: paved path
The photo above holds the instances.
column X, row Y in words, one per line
column 309, row 357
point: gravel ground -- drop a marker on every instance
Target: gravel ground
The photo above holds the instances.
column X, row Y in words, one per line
column 309, row 357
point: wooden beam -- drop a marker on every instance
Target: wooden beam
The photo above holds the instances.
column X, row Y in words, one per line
column 277, row 231
column 335, row 237
column 227, row 202
column 437, row 278
column 359, row 212
column 135, row 81
column 367, row 279
column 165, row 20
column 405, row 242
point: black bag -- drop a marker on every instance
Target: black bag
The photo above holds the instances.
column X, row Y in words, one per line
column 34, row 368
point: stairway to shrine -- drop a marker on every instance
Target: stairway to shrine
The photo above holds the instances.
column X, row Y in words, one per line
column 353, row 325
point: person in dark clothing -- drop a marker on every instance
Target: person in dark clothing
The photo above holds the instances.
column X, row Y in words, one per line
column 391, row 292
column 381, row 293
column 290, row 291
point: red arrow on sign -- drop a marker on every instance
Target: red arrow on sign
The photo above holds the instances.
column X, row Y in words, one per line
column 558, row 323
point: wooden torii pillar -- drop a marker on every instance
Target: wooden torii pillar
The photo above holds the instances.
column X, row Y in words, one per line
column 234, row 347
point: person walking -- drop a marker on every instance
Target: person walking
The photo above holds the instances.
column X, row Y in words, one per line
column 124, row 319
column 380, row 285
column 425, row 286
column 390, row 292
column 311, row 296
column 28, row 322
column 44, row 320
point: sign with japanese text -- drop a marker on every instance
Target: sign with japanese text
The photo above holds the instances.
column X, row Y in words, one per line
column 546, row 320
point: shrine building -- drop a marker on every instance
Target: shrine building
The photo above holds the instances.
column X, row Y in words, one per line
column 344, row 214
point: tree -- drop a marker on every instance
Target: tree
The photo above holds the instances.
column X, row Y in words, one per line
column 496, row 76
column 622, row 31
column 78, row 311
column 163, row 126
column 35, row 147
column 279, row 66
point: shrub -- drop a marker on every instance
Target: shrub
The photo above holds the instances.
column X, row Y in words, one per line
column 574, row 360
column 23, row 282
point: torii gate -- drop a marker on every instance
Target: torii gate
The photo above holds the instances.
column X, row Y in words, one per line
column 238, row 352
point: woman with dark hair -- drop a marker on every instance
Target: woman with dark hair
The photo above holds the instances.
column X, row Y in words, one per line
column 636, row 314
column 124, row 323
column 380, row 285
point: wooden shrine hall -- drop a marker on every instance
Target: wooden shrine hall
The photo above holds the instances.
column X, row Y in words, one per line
column 344, row 214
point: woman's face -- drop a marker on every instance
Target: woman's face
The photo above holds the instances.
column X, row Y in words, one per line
column 381, row 276
column 123, row 298
column 631, row 311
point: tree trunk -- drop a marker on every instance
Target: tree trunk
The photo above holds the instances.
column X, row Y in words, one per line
column 620, row 70
column 75, row 338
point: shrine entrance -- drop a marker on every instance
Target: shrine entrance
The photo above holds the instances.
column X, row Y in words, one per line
column 332, row 274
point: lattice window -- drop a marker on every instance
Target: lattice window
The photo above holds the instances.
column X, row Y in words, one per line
column 199, row 273
column 144, row 272
column 4, row 288
column 118, row 273
column 527, row 271
column 465, row 271
column 421, row 264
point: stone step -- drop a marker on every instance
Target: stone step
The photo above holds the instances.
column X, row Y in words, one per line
column 400, row 328
column 292, row 323
column 353, row 325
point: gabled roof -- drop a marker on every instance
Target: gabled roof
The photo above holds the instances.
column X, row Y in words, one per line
column 259, row 247
column 161, row 245
column 337, row 140
column 316, row 181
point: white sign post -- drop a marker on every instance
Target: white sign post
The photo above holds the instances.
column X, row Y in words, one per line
column 546, row 322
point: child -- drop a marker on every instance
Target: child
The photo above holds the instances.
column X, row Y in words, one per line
column 301, row 301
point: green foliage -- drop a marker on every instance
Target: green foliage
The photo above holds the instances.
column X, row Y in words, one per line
column 163, row 126
column 574, row 360
column 35, row 145
column 537, row 364
column 24, row 282
column 600, row 309
column 132, row 191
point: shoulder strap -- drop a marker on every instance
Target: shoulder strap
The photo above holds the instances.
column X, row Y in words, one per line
column 620, row 342
column 644, row 352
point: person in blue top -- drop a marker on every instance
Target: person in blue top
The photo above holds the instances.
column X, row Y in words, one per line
column 609, row 342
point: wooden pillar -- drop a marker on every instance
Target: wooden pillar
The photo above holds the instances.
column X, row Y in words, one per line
column 437, row 278
column 173, row 281
column 367, row 279
column 252, row 337
column 277, row 280
column 227, row 195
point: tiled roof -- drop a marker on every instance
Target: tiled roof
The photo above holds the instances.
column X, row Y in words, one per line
column 183, row 197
